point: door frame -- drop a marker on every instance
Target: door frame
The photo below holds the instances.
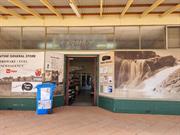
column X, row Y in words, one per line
column 96, row 80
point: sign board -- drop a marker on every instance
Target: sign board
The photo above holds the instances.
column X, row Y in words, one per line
column 45, row 102
column 17, row 65
column 54, row 66
column 24, row 86
column 106, row 72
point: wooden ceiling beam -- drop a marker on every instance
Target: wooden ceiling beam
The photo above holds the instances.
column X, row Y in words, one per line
column 95, row 6
column 105, row 13
column 9, row 11
column 74, row 8
column 24, row 7
column 152, row 7
column 3, row 17
column 171, row 10
column 129, row 3
column 101, row 8
column 51, row 8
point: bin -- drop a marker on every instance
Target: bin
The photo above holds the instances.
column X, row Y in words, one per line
column 44, row 98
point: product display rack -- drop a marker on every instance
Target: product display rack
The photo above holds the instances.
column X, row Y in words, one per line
column 73, row 87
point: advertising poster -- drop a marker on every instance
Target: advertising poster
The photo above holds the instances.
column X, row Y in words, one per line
column 106, row 72
column 45, row 101
column 24, row 86
column 19, row 67
column 54, row 70
column 21, row 64
column 45, row 93
column 148, row 74
column 54, row 66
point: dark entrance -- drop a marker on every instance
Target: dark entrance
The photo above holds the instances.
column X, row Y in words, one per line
column 81, row 80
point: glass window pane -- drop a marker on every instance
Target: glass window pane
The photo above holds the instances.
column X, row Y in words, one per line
column 174, row 37
column 127, row 37
column 10, row 37
column 56, row 30
column 108, row 30
column 79, row 38
column 153, row 37
column 33, row 38
column 80, row 42
column 79, row 29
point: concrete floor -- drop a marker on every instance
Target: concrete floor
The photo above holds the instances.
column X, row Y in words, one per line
column 83, row 99
column 74, row 120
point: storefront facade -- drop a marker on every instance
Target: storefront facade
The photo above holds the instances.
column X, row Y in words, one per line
column 134, row 47
column 132, row 59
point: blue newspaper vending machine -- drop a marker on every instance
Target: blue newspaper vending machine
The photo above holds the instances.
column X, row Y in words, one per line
column 44, row 98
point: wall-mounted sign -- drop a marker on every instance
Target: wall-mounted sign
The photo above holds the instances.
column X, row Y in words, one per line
column 106, row 57
column 106, row 73
column 107, row 89
column 19, row 66
column 54, row 66
column 24, row 86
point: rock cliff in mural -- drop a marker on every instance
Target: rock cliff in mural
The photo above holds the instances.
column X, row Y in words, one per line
column 147, row 74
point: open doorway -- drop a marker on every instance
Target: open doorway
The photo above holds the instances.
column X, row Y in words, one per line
column 81, row 80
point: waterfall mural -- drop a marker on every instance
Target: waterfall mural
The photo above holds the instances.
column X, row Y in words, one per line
column 148, row 74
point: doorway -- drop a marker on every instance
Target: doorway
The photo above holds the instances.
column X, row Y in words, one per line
column 81, row 80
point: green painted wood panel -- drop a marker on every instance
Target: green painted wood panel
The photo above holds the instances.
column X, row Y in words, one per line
column 106, row 103
column 140, row 106
column 26, row 103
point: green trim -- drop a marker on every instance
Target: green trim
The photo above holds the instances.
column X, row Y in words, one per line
column 97, row 81
column 65, row 78
column 58, row 101
column 106, row 103
column 26, row 103
column 17, row 103
column 140, row 106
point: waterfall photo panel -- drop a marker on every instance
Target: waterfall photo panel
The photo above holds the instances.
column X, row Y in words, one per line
column 148, row 74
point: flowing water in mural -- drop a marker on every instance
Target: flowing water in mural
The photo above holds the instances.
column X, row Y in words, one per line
column 132, row 72
column 155, row 81
column 136, row 77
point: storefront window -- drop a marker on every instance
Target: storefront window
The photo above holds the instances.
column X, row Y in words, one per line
column 153, row 37
column 79, row 38
column 10, row 37
column 174, row 37
column 77, row 30
column 127, row 37
column 89, row 37
column 56, row 30
column 33, row 38
column 102, row 30
column 79, row 42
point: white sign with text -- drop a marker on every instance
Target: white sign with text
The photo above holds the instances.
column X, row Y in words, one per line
column 24, row 86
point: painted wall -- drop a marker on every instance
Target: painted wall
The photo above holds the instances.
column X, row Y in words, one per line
column 157, row 102
column 17, row 69
column 20, row 68
column 147, row 74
